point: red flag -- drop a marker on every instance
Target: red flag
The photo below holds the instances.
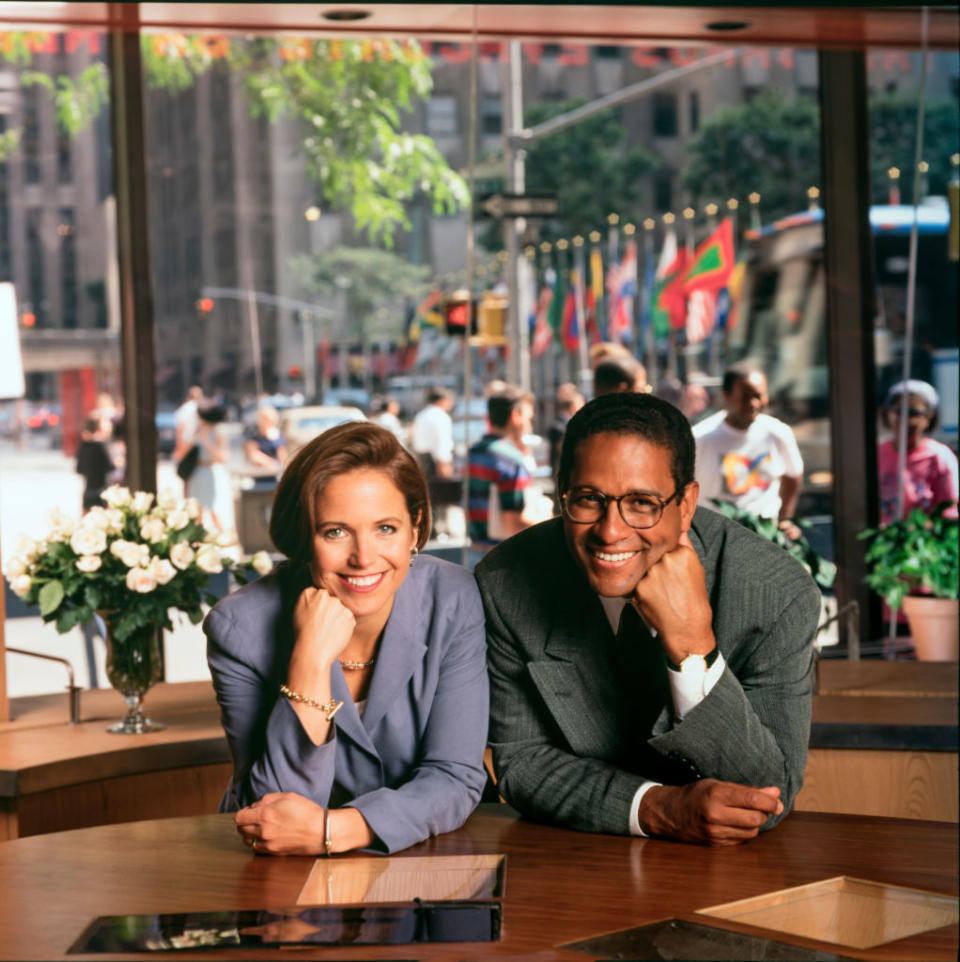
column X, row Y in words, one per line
column 712, row 261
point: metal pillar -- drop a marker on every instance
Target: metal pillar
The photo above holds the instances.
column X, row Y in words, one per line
column 133, row 250
column 848, row 258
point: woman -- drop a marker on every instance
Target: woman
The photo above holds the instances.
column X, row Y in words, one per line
column 930, row 473
column 265, row 448
column 352, row 682
column 210, row 482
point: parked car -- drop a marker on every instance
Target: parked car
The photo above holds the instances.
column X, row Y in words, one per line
column 300, row 425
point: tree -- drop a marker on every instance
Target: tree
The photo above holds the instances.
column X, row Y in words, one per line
column 378, row 282
column 893, row 131
column 348, row 97
column 589, row 166
column 770, row 145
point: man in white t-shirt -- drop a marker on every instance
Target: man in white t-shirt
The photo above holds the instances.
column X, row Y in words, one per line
column 431, row 435
column 748, row 458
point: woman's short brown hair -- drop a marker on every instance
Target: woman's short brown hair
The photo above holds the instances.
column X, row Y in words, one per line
column 354, row 446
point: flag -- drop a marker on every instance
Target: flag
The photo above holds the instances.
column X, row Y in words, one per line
column 542, row 332
column 555, row 311
column 712, row 261
column 430, row 311
column 596, row 319
column 571, row 313
column 701, row 315
column 621, row 315
column 649, row 279
column 668, row 304
column 728, row 317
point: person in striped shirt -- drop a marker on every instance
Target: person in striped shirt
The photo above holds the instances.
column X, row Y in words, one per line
column 499, row 470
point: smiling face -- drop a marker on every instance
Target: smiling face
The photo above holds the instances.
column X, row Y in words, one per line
column 612, row 555
column 746, row 400
column 362, row 541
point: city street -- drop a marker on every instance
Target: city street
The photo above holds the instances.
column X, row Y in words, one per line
column 32, row 481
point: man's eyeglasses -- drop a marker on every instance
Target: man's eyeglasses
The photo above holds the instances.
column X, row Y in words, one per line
column 638, row 509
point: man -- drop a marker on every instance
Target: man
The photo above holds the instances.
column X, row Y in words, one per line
column 619, row 374
column 650, row 662
column 499, row 470
column 569, row 401
column 749, row 458
column 186, row 420
column 431, row 436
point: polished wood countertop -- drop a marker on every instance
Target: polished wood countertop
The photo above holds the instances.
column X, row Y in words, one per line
column 561, row 886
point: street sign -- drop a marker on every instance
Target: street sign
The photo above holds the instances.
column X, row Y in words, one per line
column 519, row 205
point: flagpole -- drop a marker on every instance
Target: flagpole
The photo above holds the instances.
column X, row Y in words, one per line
column 712, row 346
column 646, row 312
column 578, row 293
column 613, row 257
column 669, row 218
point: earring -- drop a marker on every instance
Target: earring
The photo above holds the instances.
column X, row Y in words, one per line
column 414, row 554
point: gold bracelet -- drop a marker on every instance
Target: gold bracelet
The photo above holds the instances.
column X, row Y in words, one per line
column 327, row 844
column 329, row 708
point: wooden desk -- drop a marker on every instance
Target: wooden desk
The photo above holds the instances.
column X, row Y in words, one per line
column 894, row 679
column 561, row 886
column 56, row 776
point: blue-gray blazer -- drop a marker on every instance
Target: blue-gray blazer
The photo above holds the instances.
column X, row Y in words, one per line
column 413, row 765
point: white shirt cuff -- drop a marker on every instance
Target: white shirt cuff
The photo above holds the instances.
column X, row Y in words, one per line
column 688, row 691
column 635, row 828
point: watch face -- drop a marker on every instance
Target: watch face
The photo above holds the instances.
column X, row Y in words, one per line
column 693, row 664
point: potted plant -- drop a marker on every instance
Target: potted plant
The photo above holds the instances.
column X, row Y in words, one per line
column 130, row 562
column 914, row 562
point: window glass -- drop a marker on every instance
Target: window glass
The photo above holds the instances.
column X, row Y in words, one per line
column 56, row 218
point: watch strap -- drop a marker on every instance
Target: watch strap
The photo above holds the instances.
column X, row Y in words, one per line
column 709, row 658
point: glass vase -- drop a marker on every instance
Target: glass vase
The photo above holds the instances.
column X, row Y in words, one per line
column 135, row 665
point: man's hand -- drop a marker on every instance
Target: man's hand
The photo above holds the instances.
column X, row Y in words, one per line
column 708, row 811
column 282, row 823
column 672, row 598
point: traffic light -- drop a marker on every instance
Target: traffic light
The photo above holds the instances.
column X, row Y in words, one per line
column 492, row 317
column 204, row 306
column 29, row 319
column 456, row 310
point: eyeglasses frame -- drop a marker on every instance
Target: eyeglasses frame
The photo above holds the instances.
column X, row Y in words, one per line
column 607, row 498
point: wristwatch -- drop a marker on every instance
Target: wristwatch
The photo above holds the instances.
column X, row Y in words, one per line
column 695, row 664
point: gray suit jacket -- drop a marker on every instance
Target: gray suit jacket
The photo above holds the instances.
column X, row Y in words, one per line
column 563, row 750
column 413, row 765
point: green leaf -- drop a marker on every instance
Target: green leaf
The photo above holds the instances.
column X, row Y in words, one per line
column 50, row 597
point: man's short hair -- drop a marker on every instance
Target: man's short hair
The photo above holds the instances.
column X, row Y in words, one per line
column 437, row 394
column 612, row 373
column 501, row 405
column 648, row 417
column 738, row 372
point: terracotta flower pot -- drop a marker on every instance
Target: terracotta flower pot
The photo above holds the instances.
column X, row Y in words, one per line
column 935, row 626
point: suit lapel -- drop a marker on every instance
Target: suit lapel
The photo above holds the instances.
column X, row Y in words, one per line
column 401, row 651
column 574, row 676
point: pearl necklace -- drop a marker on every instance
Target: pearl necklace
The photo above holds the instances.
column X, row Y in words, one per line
column 357, row 665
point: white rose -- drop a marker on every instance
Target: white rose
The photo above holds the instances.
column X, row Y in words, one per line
column 89, row 562
column 14, row 568
column 168, row 499
column 262, row 563
column 232, row 553
column 129, row 553
column 97, row 517
column 208, row 559
column 181, row 554
column 226, row 539
column 63, row 525
column 115, row 520
column 88, row 540
column 21, row 586
column 162, row 570
column 116, row 496
column 141, row 580
column 192, row 506
column 178, row 519
column 142, row 501
column 152, row 529
column 26, row 547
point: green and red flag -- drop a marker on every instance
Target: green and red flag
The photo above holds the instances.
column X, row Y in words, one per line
column 712, row 261
column 668, row 300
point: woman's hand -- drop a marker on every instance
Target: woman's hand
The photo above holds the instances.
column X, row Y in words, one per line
column 322, row 628
column 282, row 823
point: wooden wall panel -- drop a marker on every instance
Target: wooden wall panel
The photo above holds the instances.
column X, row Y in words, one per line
column 896, row 784
column 127, row 798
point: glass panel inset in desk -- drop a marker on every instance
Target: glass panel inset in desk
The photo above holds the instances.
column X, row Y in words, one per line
column 353, row 881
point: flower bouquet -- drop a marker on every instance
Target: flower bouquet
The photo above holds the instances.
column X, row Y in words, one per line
column 130, row 562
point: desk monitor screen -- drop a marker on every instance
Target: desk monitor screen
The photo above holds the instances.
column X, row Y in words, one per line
column 325, row 925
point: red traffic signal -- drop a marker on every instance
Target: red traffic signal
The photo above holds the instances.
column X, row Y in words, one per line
column 28, row 319
column 205, row 305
